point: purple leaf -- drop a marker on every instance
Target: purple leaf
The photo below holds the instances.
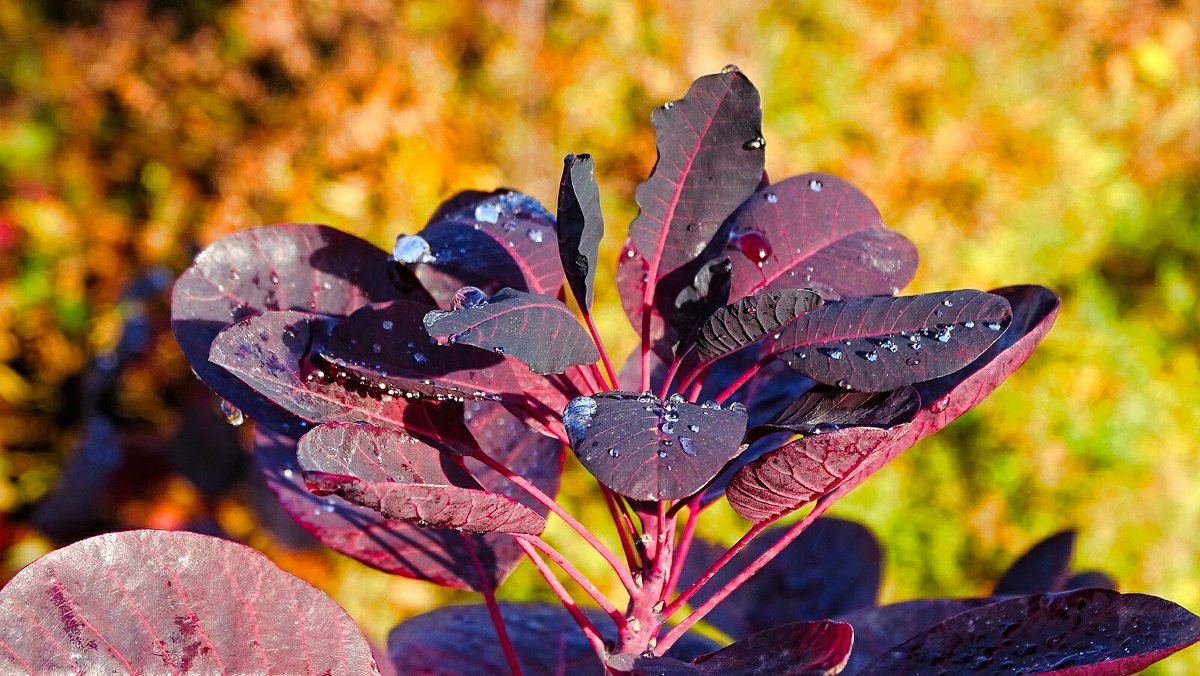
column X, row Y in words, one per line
column 156, row 601
column 833, row 567
column 402, row 478
column 818, row 648
column 879, row 629
column 491, row 241
column 648, row 449
column 882, row 343
column 741, row 323
column 824, row 409
column 1046, row 567
column 820, row 232
column 538, row 330
column 1084, row 633
column 281, row 267
column 580, row 226
column 1091, row 579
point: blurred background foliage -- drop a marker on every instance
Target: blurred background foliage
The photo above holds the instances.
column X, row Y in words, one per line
column 1047, row 142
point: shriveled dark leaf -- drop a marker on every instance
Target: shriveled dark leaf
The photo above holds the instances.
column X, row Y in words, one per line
column 878, row 629
column 696, row 302
column 402, row 478
column 1083, row 633
column 820, row 232
column 580, row 226
column 1090, row 579
column 832, row 568
column 1046, row 567
column 305, row 267
column 818, row 648
column 538, row 330
column 156, row 601
column 743, row 322
column 648, row 449
column 824, row 409
column 882, row 343
column 273, row 354
column 491, row 241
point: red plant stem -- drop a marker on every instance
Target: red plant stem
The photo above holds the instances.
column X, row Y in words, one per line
column 623, row 528
column 586, row 376
column 573, row 573
column 698, row 614
column 681, row 551
column 714, row 568
column 695, row 393
column 591, row 324
column 646, row 345
column 666, row 385
column 589, row 630
column 604, row 384
column 489, row 597
column 537, row 494
column 742, row 379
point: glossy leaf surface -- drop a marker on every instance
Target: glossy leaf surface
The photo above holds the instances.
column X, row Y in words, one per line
column 824, row 409
column 538, row 330
column 312, row 268
column 817, row 231
column 580, row 226
column 878, row 629
column 1083, row 633
column 1046, row 567
column 157, row 601
column 746, row 320
column 800, row 649
column 402, row 478
column 648, row 449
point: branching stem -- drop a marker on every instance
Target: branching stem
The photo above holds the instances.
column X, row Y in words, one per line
column 573, row 573
column 489, row 598
column 589, row 630
column 591, row 324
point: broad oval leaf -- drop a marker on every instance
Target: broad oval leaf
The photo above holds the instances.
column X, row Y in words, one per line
column 156, row 601
column 648, row 449
column 878, row 629
column 580, row 226
column 1091, row 631
column 820, row 232
column 402, row 478
column 744, row 321
column 833, row 567
column 491, row 241
column 312, row 268
column 882, row 343
column 1046, row 567
column 824, row 409
column 538, row 330
column 818, row 648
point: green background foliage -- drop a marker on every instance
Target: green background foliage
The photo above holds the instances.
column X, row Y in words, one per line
column 1048, row 142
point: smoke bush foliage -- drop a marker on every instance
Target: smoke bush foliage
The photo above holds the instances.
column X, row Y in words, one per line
column 413, row 409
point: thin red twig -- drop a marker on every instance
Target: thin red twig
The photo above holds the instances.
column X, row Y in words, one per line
column 586, row 377
column 591, row 324
column 622, row 525
column 714, row 569
column 589, row 630
column 681, row 551
column 578, row 577
column 489, row 598
column 742, row 379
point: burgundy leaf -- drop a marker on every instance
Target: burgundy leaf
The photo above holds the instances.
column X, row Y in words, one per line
column 402, row 478
column 648, row 449
column 743, row 322
column 1091, row 579
column 820, row 232
column 155, row 601
column 491, row 241
column 833, row 567
column 878, row 629
column 538, row 330
column 580, row 226
column 279, row 267
column 1084, row 633
column 272, row 354
column 882, row 343
column 824, row 409
column 1046, row 567
column 818, row 648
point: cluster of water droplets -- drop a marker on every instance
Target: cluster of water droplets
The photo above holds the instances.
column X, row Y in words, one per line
column 342, row 373
column 412, row 249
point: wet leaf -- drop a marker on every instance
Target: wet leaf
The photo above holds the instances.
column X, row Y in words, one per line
column 580, row 226
column 879, row 629
column 743, row 322
column 824, row 409
column 818, row 648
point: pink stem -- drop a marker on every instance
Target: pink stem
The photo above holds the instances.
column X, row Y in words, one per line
column 612, row 375
column 678, row 630
column 604, row 385
column 589, row 630
column 645, row 346
column 586, row 377
column 537, row 494
column 714, row 569
column 742, row 379
column 619, row 521
column 489, row 597
column 681, row 551
column 666, row 386
column 573, row 572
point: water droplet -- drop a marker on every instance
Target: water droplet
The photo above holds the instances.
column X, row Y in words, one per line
column 754, row 143
column 668, row 105
column 377, row 348
column 498, row 349
column 772, row 198
column 693, row 428
column 614, row 453
column 870, row 356
column 412, row 249
column 731, row 68
column 488, row 212
column 688, row 446
column 233, row 414
column 662, row 453
column 948, row 303
column 940, row 405
column 577, row 417
column 912, row 361
column 844, row 384
column 969, row 325
column 510, row 226
column 419, row 358
column 753, row 245
column 387, row 326
column 534, row 234
column 738, row 407
column 468, row 297
column 993, row 326
column 833, row 353
column 667, row 427
column 815, row 185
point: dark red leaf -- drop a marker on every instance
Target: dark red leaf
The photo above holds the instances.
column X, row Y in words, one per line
column 490, row 241
column 402, row 478
column 648, row 449
column 882, row 343
column 820, row 232
column 1091, row 579
column 1046, row 567
column 879, row 629
column 833, row 567
column 580, row 226
column 538, row 330
column 800, row 649
column 280, row 267
column 824, row 409
column 1083, row 633
column 162, row 602
column 743, row 322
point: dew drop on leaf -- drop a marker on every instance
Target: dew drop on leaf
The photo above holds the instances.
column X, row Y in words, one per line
column 233, row 414
column 815, row 185
column 411, row 249
column 687, row 446
column 535, row 235
column 731, row 68
column 487, row 212
column 753, row 245
column 754, row 143
column 468, row 297
column 772, row 198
